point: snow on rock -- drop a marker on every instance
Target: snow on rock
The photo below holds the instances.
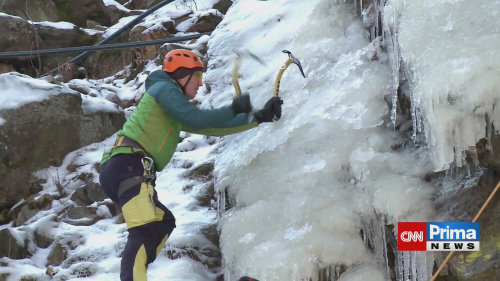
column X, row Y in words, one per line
column 116, row 4
column 56, row 25
column 10, row 16
column 121, row 23
column 93, row 104
column 19, row 89
column 54, row 116
column 103, row 212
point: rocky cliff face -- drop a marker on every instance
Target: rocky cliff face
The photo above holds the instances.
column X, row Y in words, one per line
column 86, row 22
column 40, row 134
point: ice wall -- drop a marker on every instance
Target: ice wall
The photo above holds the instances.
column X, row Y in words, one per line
column 299, row 191
column 450, row 55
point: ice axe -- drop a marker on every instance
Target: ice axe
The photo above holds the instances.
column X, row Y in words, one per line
column 291, row 59
column 236, row 84
column 237, row 63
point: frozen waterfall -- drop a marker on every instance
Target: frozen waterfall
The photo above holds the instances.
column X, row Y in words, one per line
column 311, row 195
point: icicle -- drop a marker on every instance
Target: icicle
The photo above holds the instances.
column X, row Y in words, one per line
column 385, row 251
column 414, row 120
column 377, row 17
column 394, row 101
column 468, row 171
column 421, row 267
column 429, row 265
column 227, row 273
column 488, row 137
column 401, row 266
column 382, row 18
column 394, row 56
column 406, row 265
column 221, row 202
column 365, row 239
column 413, row 266
column 416, row 114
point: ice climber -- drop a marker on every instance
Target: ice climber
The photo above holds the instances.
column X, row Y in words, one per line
column 148, row 140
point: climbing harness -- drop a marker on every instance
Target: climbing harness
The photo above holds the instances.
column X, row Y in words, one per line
column 126, row 142
column 139, row 207
column 237, row 63
column 474, row 220
column 148, row 176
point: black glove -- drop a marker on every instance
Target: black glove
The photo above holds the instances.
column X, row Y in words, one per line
column 241, row 104
column 270, row 111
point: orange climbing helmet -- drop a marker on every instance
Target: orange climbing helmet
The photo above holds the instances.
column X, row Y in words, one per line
column 181, row 58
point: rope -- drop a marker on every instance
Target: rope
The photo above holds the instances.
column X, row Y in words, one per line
column 99, row 47
column 474, row 220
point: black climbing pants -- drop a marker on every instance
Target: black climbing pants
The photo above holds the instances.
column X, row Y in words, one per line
column 149, row 222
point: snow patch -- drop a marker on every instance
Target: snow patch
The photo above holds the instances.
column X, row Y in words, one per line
column 19, row 89
column 56, row 25
column 121, row 23
column 103, row 212
column 94, row 104
column 10, row 16
column 116, row 4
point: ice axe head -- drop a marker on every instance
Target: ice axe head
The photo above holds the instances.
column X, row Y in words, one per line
column 291, row 59
column 248, row 53
column 295, row 61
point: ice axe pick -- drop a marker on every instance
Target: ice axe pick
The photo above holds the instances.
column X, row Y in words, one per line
column 291, row 59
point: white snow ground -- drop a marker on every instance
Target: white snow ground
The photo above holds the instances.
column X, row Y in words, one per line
column 303, row 187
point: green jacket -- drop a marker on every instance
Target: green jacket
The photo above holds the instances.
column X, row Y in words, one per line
column 164, row 111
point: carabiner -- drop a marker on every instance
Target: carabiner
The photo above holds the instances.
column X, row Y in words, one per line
column 147, row 166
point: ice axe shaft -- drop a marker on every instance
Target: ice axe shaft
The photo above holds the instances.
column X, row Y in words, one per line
column 236, row 84
column 291, row 59
column 237, row 64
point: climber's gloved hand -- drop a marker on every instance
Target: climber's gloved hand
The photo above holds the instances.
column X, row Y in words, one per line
column 271, row 111
column 241, row 104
